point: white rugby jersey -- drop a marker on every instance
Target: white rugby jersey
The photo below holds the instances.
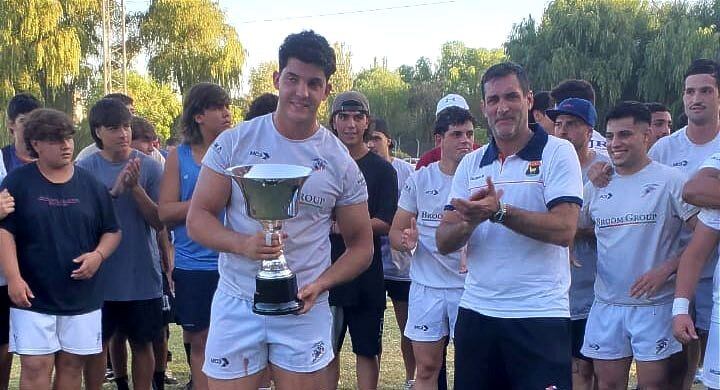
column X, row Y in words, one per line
column 678, row 151
column 396, row 264
column 711, row 219
column 638, row 220
column 511, row 275
column 335, row 181
column 425, row 194
column 598, row 143
column 582, row 278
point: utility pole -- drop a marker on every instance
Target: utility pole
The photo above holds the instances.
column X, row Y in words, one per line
column 114, row 49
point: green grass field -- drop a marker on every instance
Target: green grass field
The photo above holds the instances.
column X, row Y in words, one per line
column 392, row 371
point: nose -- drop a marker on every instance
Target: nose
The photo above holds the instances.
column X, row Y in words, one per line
column 301, row 90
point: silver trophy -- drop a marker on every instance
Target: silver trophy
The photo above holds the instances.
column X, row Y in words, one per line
column 271, row 194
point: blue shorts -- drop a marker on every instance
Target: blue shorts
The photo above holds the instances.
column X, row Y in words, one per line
column 194, row 292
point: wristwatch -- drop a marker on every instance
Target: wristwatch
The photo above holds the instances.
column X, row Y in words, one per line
column 500, row 214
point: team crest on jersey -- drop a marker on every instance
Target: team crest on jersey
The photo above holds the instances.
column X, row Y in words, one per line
column 533, row 168
column 648, row 188
column 661, row 345
column 319, row 164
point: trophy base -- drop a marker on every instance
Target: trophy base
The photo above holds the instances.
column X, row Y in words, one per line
column 276, row 297
column 276, row 309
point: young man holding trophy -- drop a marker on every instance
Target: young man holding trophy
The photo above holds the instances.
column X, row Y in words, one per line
column 291, row 175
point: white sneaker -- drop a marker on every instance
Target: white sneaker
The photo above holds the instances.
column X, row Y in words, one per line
column 698, row 375
column 409, row 384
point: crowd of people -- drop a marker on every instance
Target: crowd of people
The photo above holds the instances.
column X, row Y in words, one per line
column 552, row 257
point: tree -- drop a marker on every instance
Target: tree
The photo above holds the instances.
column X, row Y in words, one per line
column 461, row 68
column 44, row 48
column 388, row 96
column 602, row 41
column 341, row 81
column 681, row 36
column 261, row 79
column 188, row 41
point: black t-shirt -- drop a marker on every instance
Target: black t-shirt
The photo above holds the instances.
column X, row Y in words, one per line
column 368, row 288
column 52, row 225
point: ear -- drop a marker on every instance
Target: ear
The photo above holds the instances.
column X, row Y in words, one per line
column 438, row 139
column 199, row 118
column 328, row 90
column 10, row 126
column 276, row 80
column 530, row 98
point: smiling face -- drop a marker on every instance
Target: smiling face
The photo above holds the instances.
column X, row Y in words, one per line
column 626, row 140
column 456, row 142
column 302, row 87
column 506, row 107
column 350, row 127
column 701, row 99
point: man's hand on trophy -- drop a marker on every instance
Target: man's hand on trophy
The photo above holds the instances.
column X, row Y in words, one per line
column 256, row 247
column 308, row 295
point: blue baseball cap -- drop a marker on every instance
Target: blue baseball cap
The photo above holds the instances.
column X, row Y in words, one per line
column 580, row 108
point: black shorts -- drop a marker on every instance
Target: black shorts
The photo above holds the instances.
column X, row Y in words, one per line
column 365, row 325
column 4, row 316
column 398, row 290
column 577, row 334
column 512, row 353
column 194, row 292
column 141, row 321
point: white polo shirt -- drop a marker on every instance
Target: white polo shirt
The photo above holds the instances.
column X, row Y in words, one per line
column 511, row 275
column 424, row 195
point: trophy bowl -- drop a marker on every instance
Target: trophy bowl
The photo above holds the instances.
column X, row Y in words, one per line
column 271, row 194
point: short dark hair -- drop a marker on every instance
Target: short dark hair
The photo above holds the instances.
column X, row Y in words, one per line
column 310, row 48
column 704, row 66
column 656, row 107
column 142, row 129
column 505, row 69
column 261, row 105
column 380, row 125
column 125, row 99
column 22, row 103
column 629, row 109
column 46, row 124
column 202, row 96
column 107, row 112
column 541, row 101
column 573, row 88
column 452, row 116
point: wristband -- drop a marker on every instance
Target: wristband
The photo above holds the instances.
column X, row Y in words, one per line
column 680, row 306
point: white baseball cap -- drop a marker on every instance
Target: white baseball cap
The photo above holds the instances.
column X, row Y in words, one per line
column 451, row 100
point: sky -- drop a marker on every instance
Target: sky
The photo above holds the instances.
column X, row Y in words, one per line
column 400, row 30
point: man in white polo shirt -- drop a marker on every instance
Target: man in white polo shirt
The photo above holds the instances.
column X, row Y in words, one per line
column 513, row 326
column 638, row 219
column 437, row 280
column 704, row 242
